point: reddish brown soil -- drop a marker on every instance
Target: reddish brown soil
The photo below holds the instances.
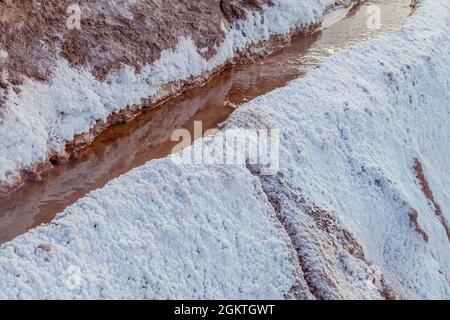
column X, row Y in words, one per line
column 418, row 168
column 414, row 219
column 110, row 35
column 233, row 10
column 414, row 5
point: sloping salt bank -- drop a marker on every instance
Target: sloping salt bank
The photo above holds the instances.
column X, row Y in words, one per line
column 38, row 118
column 349, row 195
column 353, row 134
column 161, row 232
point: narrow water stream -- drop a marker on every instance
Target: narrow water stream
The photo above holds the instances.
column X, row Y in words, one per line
column 124, row 147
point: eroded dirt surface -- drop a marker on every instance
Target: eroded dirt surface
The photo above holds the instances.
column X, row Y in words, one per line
column 414, row 219
column 420, row 175
column 125, row 32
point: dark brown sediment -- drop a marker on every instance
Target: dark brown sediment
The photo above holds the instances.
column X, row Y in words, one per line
column 420, row 175
column 414, row 219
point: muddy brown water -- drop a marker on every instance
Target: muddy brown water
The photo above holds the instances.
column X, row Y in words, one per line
column 123, row 147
